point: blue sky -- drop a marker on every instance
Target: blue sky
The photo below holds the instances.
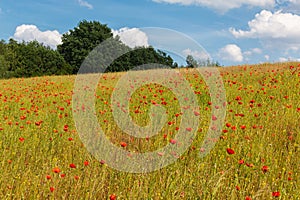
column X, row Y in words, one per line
column 232, row 32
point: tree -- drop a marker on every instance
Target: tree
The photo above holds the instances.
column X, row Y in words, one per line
column 77, row 43
column 191, row 62
column 30, row 59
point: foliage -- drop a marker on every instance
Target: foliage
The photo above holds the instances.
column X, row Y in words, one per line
column 30, row 59
column 192, row 62
column 34, row 59
column 79, row 42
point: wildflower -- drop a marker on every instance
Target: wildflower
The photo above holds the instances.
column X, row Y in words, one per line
column 72, row 165
column 230, row 151
column 56, row 170
column 276, row 194
column 265, row 168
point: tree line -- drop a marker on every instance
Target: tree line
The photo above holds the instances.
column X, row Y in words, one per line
column 27, row 59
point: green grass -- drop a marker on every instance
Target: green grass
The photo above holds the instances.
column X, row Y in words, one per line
column 34, row 113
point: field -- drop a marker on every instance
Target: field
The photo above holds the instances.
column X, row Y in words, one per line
column 256, row 155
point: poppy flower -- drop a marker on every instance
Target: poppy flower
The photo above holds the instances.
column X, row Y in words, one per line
column 102, row 162
column 228, row 125
column 56, row 170
column 172, row 141
column 72, row 165
column 265, row 168
column 189, row 129
column 276, row 194
column 243, row 127
column 112, row 197
column 123, row 144
column 52, row 189
column 241, row 162
column 230, row 151
column 86, row 163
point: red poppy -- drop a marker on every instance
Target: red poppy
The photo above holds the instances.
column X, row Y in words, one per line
column 243, row 127
column 72, row 165
column 248, row 198
column 196, row 113
column 86, row 163
column 112, row 197
column 52, row 189
column 172, row 141
column 189, row 129
column 123, row 144
column 276, row 194
column 56, row 170
column 214, row 118
column 241, row 162
column 48, row 177
column 230, row 151
column 265, row 168
column 102, row 162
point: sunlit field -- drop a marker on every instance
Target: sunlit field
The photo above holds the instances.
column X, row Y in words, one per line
column 256, row 156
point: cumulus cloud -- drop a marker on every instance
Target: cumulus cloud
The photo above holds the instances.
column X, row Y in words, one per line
column 221, row 4
column 267, row 57
column 132, row 37
column 253, row 51
column 283, row 59
column 31, row 32
column 273, row 29
column 231, row 52
column 196, row 54
column 85, row 4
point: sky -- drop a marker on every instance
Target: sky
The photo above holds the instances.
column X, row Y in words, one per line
column 231, row 32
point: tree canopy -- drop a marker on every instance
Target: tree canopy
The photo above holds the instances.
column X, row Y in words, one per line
column 25, row 59
column 30, row 59
column 80, row 41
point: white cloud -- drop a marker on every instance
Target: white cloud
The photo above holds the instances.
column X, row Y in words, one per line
column 281, row 59
column 273, row 29
column 253, row 51
column 231, row 52
column 221, row 4
column 85, row 4
column 31, row 32
column 196, row 54
column 132, row 37
column 267, row 57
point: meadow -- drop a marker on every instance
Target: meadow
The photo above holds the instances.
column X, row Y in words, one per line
column 255, row 157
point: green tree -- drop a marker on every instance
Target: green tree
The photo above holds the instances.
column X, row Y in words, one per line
column 77, row 43
column 30, row 59
column 191, row 62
